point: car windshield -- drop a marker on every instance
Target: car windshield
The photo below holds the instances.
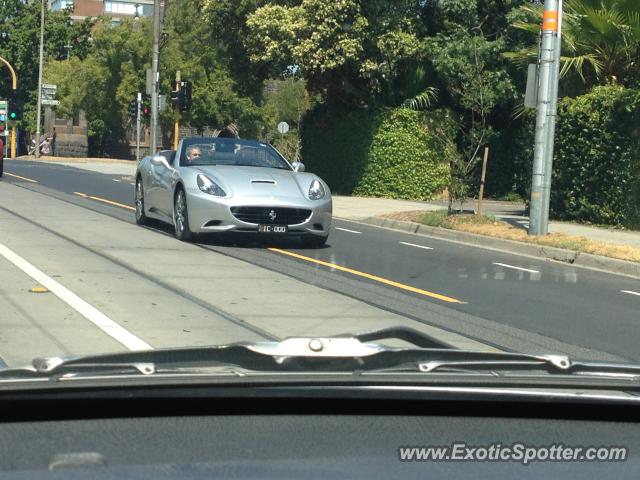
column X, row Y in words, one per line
column 217, row 171
column 230, row 152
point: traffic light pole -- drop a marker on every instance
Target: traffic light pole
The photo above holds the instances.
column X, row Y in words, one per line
column 138, row 108
column 176, row 125
column 543, row 139
column 14, row 86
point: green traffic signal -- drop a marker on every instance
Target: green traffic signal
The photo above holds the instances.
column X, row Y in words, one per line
column 15, row 106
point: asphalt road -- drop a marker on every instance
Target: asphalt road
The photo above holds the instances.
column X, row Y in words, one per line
column 505, row 300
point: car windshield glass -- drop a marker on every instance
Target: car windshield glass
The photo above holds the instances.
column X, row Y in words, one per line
column 231, row 152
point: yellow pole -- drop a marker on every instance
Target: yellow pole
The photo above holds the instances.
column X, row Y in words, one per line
column 14, row 85
column 176, row 125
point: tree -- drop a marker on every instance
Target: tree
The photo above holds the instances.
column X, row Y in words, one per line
column 474, row 80
column 20, row 40
column 350, row 51
column 218, row 99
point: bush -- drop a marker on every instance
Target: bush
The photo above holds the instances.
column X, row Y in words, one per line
column 391, row 153
column 597, row 158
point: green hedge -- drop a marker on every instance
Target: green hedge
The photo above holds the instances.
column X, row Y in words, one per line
column 335, row 145
column 597, row 158
column 511, row 159
column 390, row 153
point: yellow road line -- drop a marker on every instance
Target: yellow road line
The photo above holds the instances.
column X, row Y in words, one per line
column 104, row 200
column 402, row 286
column 21, row 178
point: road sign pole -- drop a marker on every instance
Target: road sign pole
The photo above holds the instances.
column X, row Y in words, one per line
column 547, row 60
column 138, row 108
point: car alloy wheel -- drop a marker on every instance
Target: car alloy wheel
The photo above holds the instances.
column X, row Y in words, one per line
column 141, row 218
column 181, row 217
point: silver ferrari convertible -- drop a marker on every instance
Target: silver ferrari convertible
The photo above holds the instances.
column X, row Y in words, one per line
column 217, row 185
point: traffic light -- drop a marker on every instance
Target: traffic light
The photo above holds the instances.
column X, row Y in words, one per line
column 145, row 108
column 175, row 97
column 185, row 95
column 133, row 109
column 15, row 107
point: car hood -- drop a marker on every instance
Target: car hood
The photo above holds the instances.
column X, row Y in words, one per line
column 259, row 182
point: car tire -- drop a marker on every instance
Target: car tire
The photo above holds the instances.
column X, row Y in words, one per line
column 141, row 217
column 181, row 216
column 314, row 241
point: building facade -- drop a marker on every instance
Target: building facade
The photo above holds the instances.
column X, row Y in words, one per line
column 116, row 9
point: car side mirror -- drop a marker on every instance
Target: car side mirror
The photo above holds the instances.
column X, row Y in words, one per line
column 159, row 160
column 298, row 166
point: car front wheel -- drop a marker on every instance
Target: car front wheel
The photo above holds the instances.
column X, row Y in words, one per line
column 181, row 217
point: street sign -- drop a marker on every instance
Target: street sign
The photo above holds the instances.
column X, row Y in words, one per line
column 49, row 94
column 283, row 127
column 50, row 102
column 531, row 95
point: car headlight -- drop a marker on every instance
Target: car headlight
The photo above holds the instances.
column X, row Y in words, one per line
column 209, row 186
column 316, row 190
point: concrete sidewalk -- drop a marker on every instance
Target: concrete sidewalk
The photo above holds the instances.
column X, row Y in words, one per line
column 359, row 208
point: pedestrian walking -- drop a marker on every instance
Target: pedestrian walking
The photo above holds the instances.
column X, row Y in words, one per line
column 53, row 142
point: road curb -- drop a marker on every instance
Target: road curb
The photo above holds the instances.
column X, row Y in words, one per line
column 587, row 260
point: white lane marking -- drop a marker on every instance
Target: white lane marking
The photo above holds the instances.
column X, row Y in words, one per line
column 417, row 246
column 516, row 268
column 346, row 230
column 115, row 180
column 131, row 183
column 88, row 311
column 631, row 292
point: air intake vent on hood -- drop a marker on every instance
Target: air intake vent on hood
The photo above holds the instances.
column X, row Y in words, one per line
column 271, row 182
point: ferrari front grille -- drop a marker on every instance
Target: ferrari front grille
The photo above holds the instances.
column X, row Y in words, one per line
column 275, row 215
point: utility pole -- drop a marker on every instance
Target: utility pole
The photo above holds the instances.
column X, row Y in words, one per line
column 155, row 75
column 37, row 152
column 553, row 109
column 540, row 177
column 138, row 108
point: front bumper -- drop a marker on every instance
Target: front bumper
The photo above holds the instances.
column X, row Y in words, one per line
column 209, row 214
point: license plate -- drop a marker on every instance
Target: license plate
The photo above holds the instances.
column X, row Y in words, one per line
column 273, row 229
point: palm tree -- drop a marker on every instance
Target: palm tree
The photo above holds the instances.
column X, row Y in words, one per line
column 603, row 35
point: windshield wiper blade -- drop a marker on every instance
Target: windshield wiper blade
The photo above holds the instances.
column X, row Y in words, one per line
column 409, row 335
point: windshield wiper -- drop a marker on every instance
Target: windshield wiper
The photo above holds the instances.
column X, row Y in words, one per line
column 346, row 353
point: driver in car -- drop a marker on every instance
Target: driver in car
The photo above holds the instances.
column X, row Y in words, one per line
column 193, row 154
